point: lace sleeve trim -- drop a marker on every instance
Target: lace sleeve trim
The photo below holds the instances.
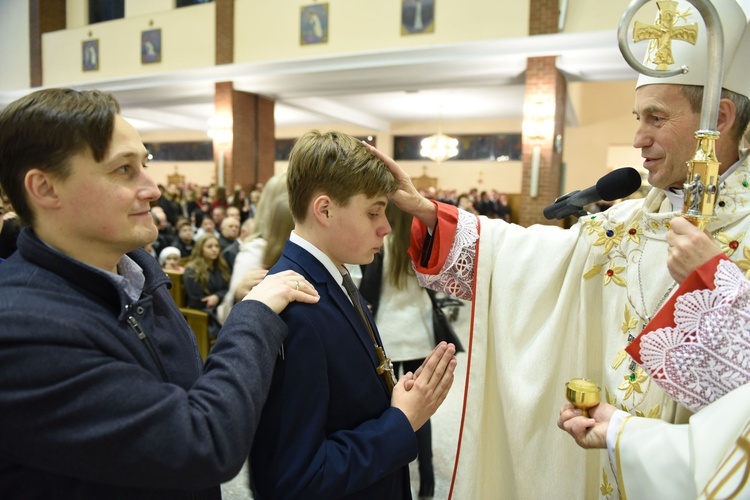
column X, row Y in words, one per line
column 456, row 276
column 707, row 353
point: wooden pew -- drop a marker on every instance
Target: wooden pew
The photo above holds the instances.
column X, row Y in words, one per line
column 197, row 320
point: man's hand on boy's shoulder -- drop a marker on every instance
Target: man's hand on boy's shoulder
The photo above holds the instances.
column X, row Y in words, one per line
column 278, row 290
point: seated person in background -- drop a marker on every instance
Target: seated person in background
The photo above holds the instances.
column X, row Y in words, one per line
column 252, row 206
column 334, row 425
column 230, row 253
column 170, row 203
column 486, row 205
column 169, row 258
column 184, row 241
column 196, row 218
column 235, row 213
column 167, row 233
column 208, row 226
column 229, row 231
column 464, row 203
column 102, row 389
column 503, row 207
column 218, row 214
column 206, row 278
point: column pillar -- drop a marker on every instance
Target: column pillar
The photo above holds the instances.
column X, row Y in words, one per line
column 44, row 16
column 543, row 122
column 249, row 156
column 224, row 31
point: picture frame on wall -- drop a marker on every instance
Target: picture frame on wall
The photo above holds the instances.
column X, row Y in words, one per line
column 151, row 46
column 417, row 16
column 313, row 24
column 90, row 55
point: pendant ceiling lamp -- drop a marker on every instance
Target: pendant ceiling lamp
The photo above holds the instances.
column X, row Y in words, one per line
column 439, row 147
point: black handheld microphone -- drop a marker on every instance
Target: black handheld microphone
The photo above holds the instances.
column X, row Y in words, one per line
column 619, row 183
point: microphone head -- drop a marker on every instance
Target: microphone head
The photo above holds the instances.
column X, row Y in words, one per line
column 619, row 183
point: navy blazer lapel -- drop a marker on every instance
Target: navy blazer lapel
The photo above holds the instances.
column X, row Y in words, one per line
column 324, row 283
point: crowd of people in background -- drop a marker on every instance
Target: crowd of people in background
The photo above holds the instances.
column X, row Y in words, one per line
column 185, row 212
column 241, row 226
column 492, row 204
column 249, row 231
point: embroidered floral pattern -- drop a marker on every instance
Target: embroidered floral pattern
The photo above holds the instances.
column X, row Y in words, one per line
column 606, row 487
column 592, row 225
column 654, row 412
column 630, row 322
column 609, row 238
column 729, row 243
column 614, row 275
column 594, row 271
column 707, row 353
column 634, row 233
column 633, row 382
column 744, row 263
column 621, row 356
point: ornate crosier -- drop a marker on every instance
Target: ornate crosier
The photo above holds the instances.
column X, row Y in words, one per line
column 702, row 181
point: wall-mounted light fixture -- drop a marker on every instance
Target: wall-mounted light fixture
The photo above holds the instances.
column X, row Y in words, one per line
column 538, row 126
column 220, row 131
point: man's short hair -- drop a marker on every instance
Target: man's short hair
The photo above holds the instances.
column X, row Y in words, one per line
column 44, row 130
column 694, row 95
column 337, row 165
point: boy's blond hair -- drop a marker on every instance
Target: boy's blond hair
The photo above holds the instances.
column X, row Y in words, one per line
column 337, row 165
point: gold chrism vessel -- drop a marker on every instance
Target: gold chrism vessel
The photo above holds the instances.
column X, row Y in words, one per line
column 583, row 394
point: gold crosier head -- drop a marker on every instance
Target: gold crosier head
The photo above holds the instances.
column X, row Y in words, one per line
column 663, row 31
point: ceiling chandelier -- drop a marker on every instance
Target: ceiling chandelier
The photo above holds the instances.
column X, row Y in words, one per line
column 439, row 147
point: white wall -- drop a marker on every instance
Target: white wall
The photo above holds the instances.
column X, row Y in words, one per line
column 188, row 41
column 267, row 30
column 14, row 45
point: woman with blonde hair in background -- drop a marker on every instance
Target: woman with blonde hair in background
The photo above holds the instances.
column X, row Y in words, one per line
column 248, row 267
column 206, row 278
column 277, row 233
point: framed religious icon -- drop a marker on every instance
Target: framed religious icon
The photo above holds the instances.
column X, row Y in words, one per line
column 313, row 24
column 90, row 55
column 151, row 46
column 417, row 16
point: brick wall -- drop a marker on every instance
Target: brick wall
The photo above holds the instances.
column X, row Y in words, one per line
column 250, row 158
column 545, row 106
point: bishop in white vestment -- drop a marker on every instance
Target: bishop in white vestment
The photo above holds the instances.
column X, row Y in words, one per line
column 552, row 304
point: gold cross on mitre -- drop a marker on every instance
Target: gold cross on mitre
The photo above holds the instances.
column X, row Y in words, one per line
column 663, row 31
